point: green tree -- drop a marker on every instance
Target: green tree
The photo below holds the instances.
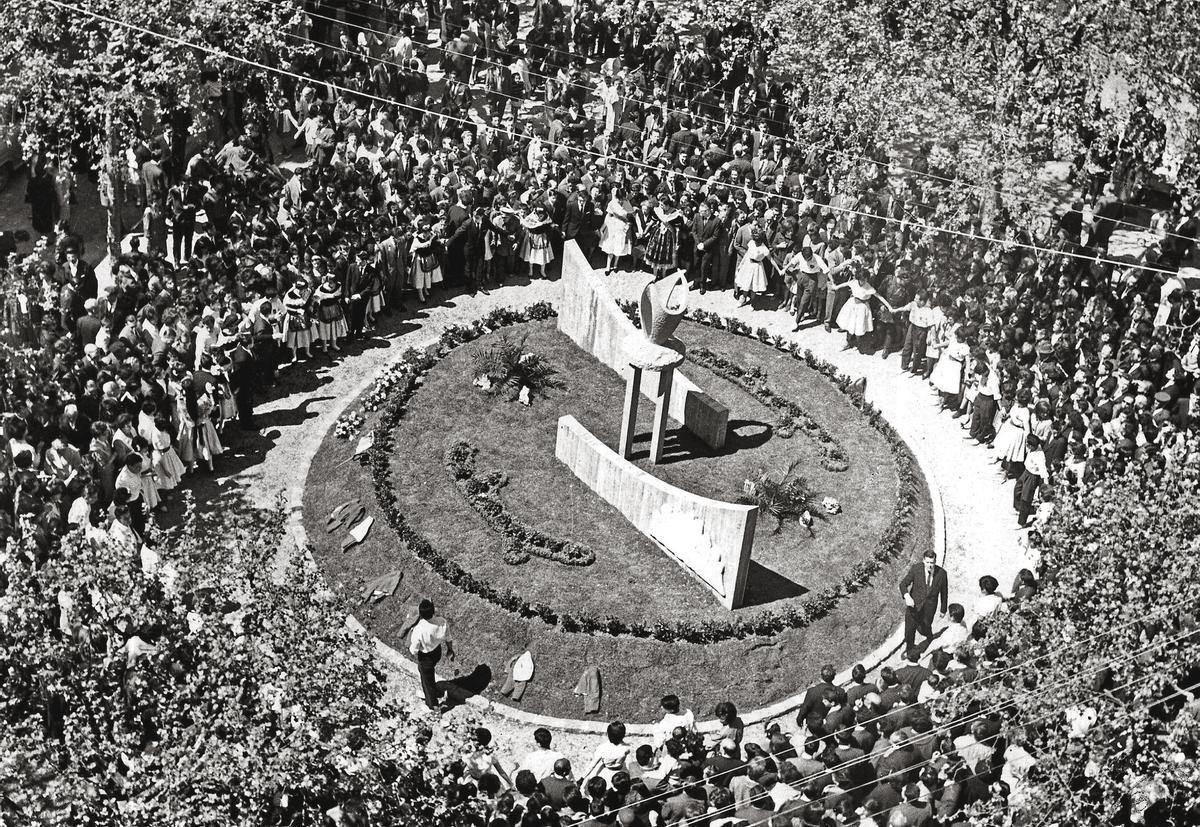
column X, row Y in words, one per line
column 218, row 685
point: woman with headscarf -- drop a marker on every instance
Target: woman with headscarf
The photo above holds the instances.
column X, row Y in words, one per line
column 426, row 266
column 297, row 323
column 662, row 244
column 331, row 318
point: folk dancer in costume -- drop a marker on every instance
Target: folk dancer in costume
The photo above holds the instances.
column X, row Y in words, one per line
column 536, row 249
column 427, row 262
column 662, row 243
column 331, row 318
column 297, row 322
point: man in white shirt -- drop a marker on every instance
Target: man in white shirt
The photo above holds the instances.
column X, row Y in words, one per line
column 671, row 719
column 540, row 761
column 425, row 644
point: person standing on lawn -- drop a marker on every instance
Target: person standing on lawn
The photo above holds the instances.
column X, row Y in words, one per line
column 426, row 644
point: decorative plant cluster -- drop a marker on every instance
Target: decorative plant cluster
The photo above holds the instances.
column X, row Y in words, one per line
column 521, row 541
column 787, row 498
column 506, row 367
column 892, row 541
column 348, row 425
column 793, row 418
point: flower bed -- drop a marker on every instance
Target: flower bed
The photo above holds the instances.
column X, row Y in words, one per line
column 401, row 381
column 520, row 540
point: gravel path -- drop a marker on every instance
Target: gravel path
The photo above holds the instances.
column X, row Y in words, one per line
column 981, row 535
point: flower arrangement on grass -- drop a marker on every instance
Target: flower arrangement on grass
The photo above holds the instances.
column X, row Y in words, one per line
column 482, row 493
column 505, row 367
column 348, row 425
column 788, row 497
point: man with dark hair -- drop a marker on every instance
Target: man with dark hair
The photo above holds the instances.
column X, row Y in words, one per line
column 859, row 686
column 541, row 760
column 672, row 717
column 560, row 787
column 428, row 637
column 814, row 698
column 690, row 802
column 924, row 588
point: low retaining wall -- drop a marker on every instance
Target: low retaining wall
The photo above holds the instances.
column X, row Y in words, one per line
column 709, row 538
column 589, row 315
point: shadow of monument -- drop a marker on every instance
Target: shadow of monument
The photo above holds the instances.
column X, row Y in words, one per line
column 456, row 692
column 766, row 586
column 680, row 444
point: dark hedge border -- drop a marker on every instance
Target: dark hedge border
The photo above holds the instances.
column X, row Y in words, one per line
column 415, row 364
column 521, row 541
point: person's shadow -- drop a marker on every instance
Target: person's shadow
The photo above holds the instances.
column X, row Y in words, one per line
column 457, row 691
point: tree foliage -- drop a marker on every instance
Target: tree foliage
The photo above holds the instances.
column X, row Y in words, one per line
column 69, row 74
column 217, row 686
column 1099, row 671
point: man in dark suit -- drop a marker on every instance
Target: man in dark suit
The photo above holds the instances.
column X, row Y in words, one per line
column 706, row 232
column 87, row 326
column 925, row 591
column 582, row 220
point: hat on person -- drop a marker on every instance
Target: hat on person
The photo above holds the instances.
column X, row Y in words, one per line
column 89, row 305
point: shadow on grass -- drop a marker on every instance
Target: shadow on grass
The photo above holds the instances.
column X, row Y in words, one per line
column 766, row 586
column 455, row 692
column 680, row 444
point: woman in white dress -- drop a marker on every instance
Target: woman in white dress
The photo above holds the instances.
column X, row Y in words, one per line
column 855, row 315
column 1010, row 439
column 615, row 235
column 751, row 276
column 947, row 376
column 168, row 468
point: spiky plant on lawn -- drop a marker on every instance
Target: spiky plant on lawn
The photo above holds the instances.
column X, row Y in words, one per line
column 505, row 367
column 788, row 497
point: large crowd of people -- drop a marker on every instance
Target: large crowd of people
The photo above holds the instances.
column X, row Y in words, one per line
column 382, row 170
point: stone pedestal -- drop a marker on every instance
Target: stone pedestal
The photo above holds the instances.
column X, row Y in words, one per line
column 657, row 359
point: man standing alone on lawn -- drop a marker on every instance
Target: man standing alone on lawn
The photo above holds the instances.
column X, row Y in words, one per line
column 924, row 588
column 428, row 637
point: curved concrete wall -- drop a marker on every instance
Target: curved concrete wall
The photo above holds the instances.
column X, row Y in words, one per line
column 589, row 315
column 709, row 538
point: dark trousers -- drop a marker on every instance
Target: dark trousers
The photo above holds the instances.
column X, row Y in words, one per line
column 983, row 413
column 475, row 269
column 916, row 341
column 426, row 663
column 893, row 337
column 1023, row 493
column 358, row 315
column 918, row 619
column 707, row 261
column 181, row 240
column 502, row 266
column 806, row 288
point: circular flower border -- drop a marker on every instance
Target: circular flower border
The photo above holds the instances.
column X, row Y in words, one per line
column 395, row 386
